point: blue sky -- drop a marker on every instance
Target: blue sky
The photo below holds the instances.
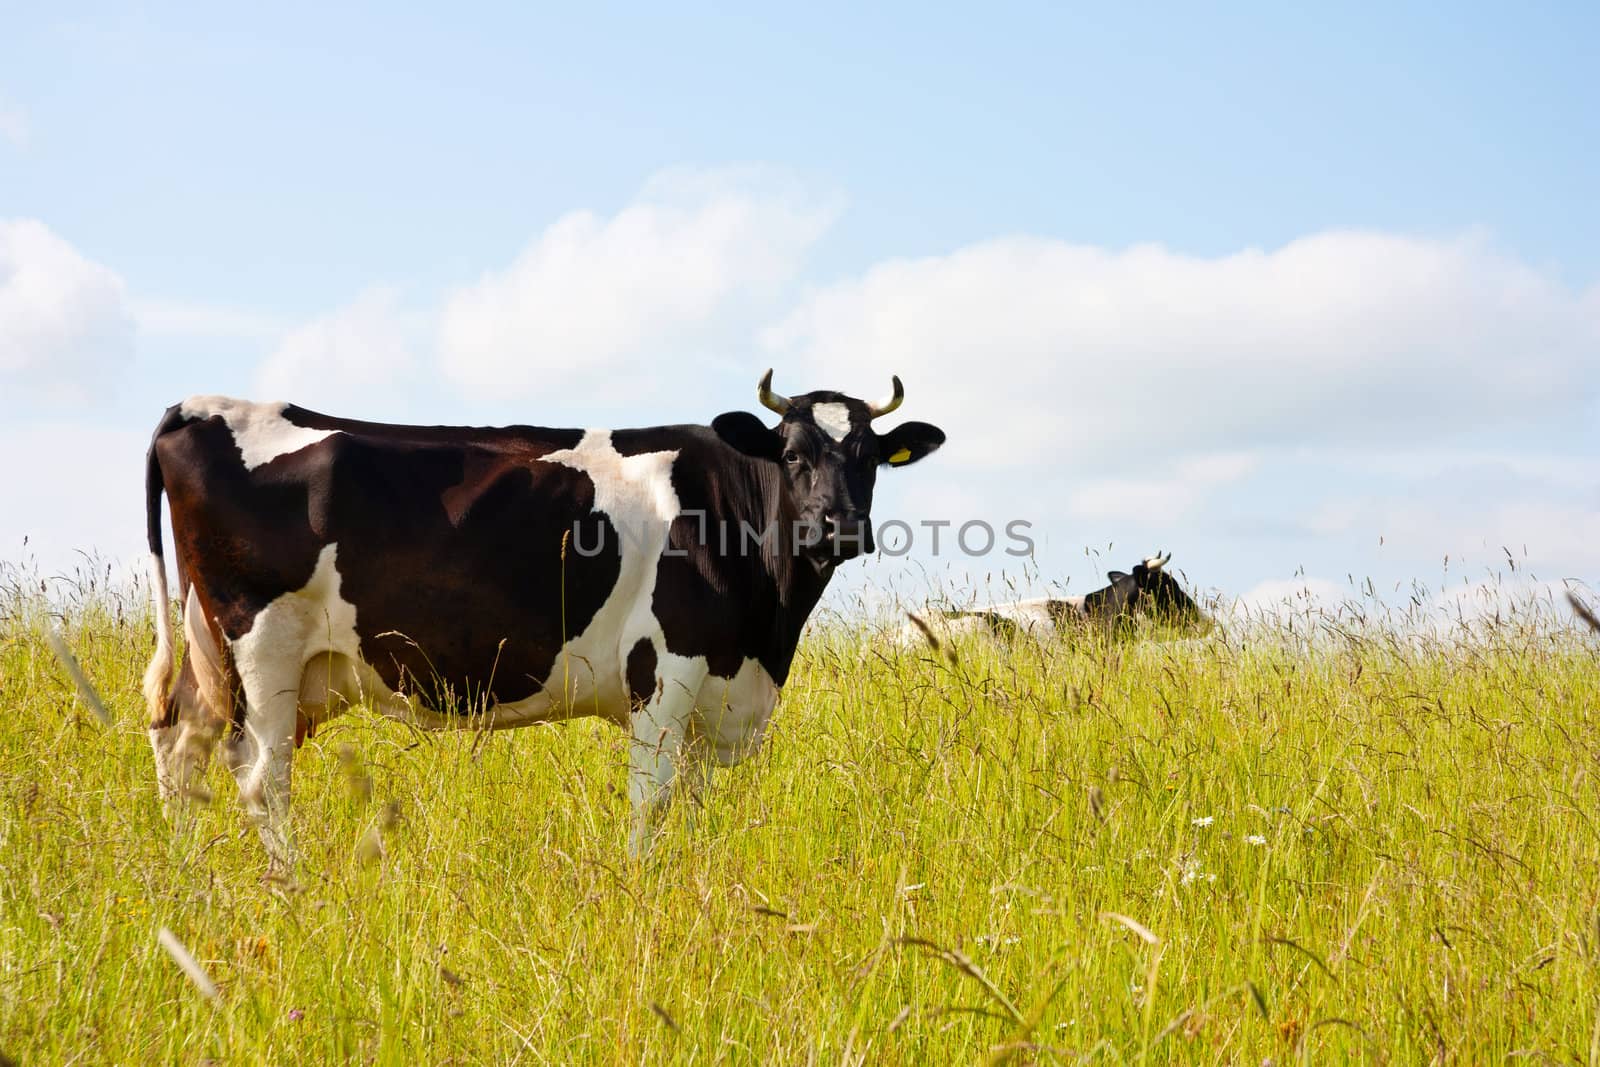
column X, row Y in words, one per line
column 1260, row 286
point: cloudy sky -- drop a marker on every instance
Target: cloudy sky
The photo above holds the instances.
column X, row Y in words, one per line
column 1297, row 297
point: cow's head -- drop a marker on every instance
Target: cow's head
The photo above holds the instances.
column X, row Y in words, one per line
column 1151, row 591
column 827, row 457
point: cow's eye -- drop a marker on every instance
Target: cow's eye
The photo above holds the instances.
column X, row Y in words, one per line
column 791, row 457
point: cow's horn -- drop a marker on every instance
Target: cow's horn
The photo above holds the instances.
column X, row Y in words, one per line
column 1157, row 561
column 886, row 406
column 770, row 400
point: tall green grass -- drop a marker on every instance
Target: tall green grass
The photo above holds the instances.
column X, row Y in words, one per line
column 1331, row 839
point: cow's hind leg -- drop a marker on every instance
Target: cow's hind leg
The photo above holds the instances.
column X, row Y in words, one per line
column 660, row 745
column 187, row 722
column 182, row 740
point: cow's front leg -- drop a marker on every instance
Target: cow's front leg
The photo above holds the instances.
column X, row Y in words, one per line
column 660, row 745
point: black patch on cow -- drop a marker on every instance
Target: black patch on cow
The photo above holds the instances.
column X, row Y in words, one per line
column 1117, row 601
column 641, row 672
column 472, row 594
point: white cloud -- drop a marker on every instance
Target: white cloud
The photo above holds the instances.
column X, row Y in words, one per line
column 1033, row 351
column 1162, row 499
column 592, row 295
column 345, row 358
column 1480, row 508
column 1556, row 533
column 64, row 320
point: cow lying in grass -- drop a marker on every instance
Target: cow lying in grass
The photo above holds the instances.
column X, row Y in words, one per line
column 1148, row 597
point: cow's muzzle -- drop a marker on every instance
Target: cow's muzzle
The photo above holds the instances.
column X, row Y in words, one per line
column 847, row 536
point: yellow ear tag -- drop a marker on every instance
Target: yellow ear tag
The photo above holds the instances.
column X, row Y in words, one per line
column 900, row 456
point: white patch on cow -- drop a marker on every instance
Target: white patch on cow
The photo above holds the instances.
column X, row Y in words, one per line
column 260, row 430
column 833, row 418
column 731, row 714
column 694, row 720
column 295, row 627
column 270, row 659
column 1031, row 617
column 304, row 644
column 205, row 659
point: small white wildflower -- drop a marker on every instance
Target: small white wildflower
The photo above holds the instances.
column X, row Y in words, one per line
column 995, row 941
column 1204, row 820
column 1255, row 839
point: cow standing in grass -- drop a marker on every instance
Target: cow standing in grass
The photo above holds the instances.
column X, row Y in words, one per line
column 1149, row 593
column 493, row 578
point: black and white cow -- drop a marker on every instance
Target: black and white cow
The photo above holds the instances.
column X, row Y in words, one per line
column 1150, row 592
column 497, row 577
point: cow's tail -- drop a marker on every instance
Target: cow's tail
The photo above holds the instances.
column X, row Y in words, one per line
column 158, row 676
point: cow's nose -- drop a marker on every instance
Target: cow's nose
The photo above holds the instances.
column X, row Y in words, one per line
column 850, row 534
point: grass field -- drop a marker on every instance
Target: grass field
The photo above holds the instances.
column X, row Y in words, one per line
column 1337, row 841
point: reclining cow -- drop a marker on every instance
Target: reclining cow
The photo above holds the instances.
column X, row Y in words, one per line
column 491, row 578
column 1149, row 593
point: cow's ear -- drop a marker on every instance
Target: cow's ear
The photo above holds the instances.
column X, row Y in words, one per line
column 1116, row 577
column 744, row 432
column 909, row 442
